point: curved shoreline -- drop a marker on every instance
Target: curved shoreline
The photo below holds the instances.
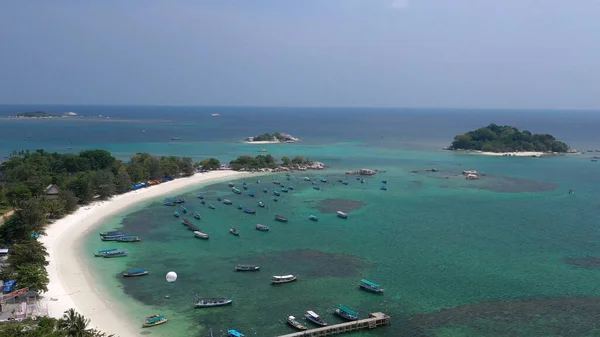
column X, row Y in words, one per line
column 71, row 283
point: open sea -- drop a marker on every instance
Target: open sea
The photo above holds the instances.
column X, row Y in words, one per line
column 511, row 254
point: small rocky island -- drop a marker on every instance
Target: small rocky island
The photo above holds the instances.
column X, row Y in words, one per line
column 508, row 141
column 272, row 138
column 41, row 114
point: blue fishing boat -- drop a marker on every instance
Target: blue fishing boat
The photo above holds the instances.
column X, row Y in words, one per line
column 265, row 190
column 346, row 313
column 261, row 204
column 251, row 193
column 128, row 238
column 111, row 237
column 276, row 193
column 176, row 214
column 102, row 252
column 313, row 218
column 115, row 253
column 183, row 209
column 249, row 210
column 316, row 187
column 154, row 320
column 384, row 187
column 136, row 272
column 234, row 333
column 370, row 286
column 200, row 196
column 262, row 228
column 113, row 233
column 197, row 215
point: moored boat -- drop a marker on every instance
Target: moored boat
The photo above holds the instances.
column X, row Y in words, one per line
column 201, row 235
column 203, row 201
column 276, row 182
column 384, row 187
column 346, row 313
column 197, row 215
column 236, row 191
column 128, row 238
column 291, row 188
column 136, row 272
column 283, row 279
column 281, row 218
column 262, row 227
column 249, row 210
column 275, row 199
column 345, row 182
column 227, row 202
column 103, row 252
column 230, row 184
column 200, row 196
column 245, row 187
column 111, row 238
column 247, row 267
column 183, row 209
column 113, row 233
column 265, row 190
column 384, row 181
column 370, row 286
column 294, row 323
column 313, row 218
column 212, row 302
column 342, row 215
column 284, row 190
column 211, row 206
column 168, row 203
column 234, row 333
column 323, row 180
column 313, row 317
column 176, row 214
column 234, row 231
column 115, row 253
column 276, row 193
column 154, row 321
column 251, row 193
column 261, row 204
column 306, row 178
column 315, row 187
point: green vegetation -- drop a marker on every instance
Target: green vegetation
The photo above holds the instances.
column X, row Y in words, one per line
column 269, row 137
column 495, row 138
column 80, row 178
column 71, row 324
column 264, row 162
column 209, row 164
column 35, row 114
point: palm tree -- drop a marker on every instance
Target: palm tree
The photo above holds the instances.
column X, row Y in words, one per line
column 74, row 324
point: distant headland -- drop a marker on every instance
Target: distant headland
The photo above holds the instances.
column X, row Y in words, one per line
column 507, row 141
column 272, row 138
column 41, row 114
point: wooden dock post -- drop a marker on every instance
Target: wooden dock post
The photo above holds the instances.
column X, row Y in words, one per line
column 375, row 320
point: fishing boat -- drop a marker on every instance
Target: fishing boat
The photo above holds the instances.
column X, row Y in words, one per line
column 236, row 191
column 168, row 203
column 212, row 302
column 262, row 227
column 247, row 267
column 197, row 215
column 176, row 214
column 323, row 180
column 136, row 272
column 345, row 182
column 265, row 190
column 101, row 253
column 154, row 321
column 129, row 238
column 357, row 178
column 275, row 199
column 251, row 193
column 234, row 231
column 276, row 182
column 211, row 206
column 186, row 222
column 281, row 218
column 227, row 202
column 306, row 178
column 249, row 210
column 313, row 218
column 175, row 200
column 201, row 235
column 261, row 204
column 276, row 193
column 245, row 187
column 384, row 187
column 234, row 333
column 339, row 180
column 115, row 253
column 219, row 198
column 183, row 209
column 291, row 188
column 239, row 207
column 346, row 313
column 370, row 286
column 200, row 196
column 362, row 181
column 342, row 215
column 113, row 233
column 111, row 238
column 203, row 201
column 230, row 184
column 284, row 190
column 384, row 181
column 293, row 322
column 315, row 187
column 313, row 317
column 283, row 279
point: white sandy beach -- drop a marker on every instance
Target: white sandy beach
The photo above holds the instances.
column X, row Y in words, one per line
column 264, row 142
column 71, row 285
column 514, row 154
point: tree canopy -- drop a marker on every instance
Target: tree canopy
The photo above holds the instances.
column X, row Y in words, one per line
column 269, row 137
column 265, row 161
column 495, row 138
column 72, row 324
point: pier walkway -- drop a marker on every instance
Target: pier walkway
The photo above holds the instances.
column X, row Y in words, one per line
column 376, row 319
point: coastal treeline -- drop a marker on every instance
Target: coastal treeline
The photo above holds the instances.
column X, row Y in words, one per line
column 495, row 138
column 72, row 324
column 265, row 162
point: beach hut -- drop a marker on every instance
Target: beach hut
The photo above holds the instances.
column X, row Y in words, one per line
column 52, row 191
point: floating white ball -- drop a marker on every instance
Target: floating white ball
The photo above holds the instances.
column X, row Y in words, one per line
column 171, row 276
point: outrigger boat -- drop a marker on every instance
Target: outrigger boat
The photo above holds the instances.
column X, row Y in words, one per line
column 201, row 235
column 115, row 253
column 234, row 333
column 370, row 286
column 283, row 279
column 247, row 267
column 176, row 214
column 313, row 218
column 154, row 320
column 211, row 206
column 212, row 302
column 190, row 225
column 227, row 202
column 284, row 190
column 384, row 187
column 342, row 215
column 281, row 218
column 249, row 210
column 111, row 238
column 113, row 233
column 234, row 231
column 265, row 190
column 183, row 209
column 175, row 200
column 261, row 204
column 262, row 227
column 297, row 325
column 128, row 238
column 236, row 191
column 346, row 313
column 313, row 317
column 276, row 193
column 168, row 203
column 136, row 272
column 251, row 193
column 197, row 215
column 103, row 252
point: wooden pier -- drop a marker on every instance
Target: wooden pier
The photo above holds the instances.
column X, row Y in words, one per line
column 375, row 320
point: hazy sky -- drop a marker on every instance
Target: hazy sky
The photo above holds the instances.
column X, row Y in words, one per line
column 407, row 53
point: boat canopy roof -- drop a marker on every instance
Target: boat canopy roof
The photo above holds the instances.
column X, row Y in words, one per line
column 235, row 333
column 340, row 212
column 135, row 271
column 128, row 236
column 282, row 277
column 155, row 319
column 370, row 283
column 347, row 310
column 313, row 314
column 107, row 250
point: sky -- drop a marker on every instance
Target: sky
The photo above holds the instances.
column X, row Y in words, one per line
column 375, row 53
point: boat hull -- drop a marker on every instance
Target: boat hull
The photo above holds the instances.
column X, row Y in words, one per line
column 149, row 325
column 284, row 281
column 210, row 304
column 135, row 275
column 247, row 268
column 371, row 289
column 315, row 321
column 345, row 315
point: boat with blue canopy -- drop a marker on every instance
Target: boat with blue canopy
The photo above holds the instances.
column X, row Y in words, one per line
column 276, row 193
column 102, row 252
column 197, row 215
column 113, row 233
column 136, row 272
column 183, row 209
column 346, row 313
column 313, row 218
column 251, row 193
column 115, row 253
column 370, row 286
column 265, row 190
column 234, row 333
column 176, row 214
column 249, row 210
column 128, row 238
column 154, row 320
column 384, row 187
